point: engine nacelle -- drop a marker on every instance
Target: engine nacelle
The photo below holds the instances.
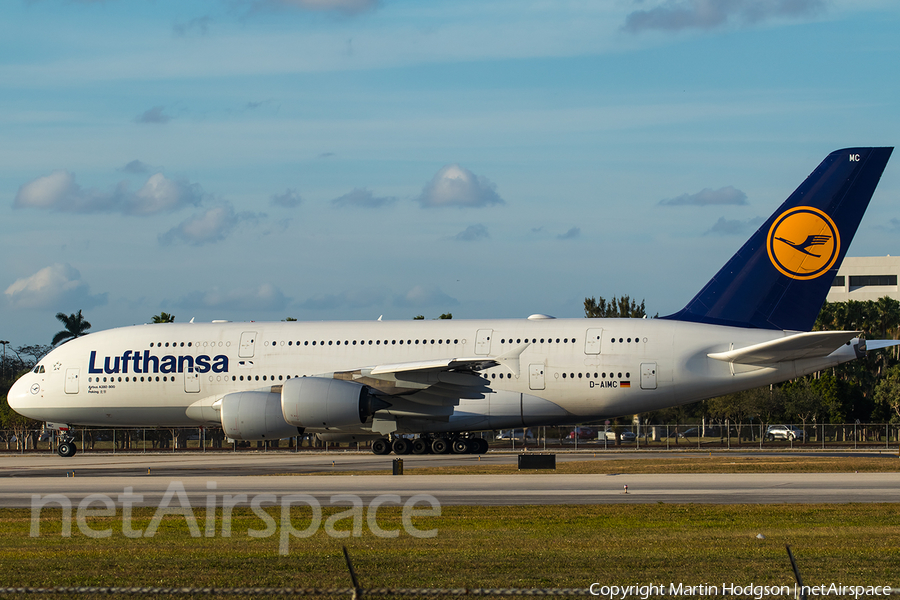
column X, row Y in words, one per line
column 254, row 416
column 316, row 402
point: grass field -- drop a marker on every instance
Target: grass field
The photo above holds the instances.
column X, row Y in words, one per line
column 519, row 546
column 528, row 546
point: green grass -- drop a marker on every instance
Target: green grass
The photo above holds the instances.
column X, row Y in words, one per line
column 522, row 546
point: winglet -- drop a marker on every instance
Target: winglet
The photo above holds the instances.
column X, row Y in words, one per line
column 779, row 279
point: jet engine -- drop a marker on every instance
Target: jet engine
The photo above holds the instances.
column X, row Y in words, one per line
column 316, row 402
column 254, row 416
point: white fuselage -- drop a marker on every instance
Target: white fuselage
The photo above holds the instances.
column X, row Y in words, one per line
column 572, row 370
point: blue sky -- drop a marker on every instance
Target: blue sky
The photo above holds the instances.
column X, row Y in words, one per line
column 345, row 159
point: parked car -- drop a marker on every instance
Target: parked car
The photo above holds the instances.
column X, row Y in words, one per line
column 625, row 436
column 784, row 432
column 687, row 433
column 515, row 434
column 583, row 433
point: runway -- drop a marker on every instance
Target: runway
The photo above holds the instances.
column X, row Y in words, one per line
column 221, row 475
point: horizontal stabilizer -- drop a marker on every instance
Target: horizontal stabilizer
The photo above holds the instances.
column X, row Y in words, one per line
column 814, row 344
column 880, row 344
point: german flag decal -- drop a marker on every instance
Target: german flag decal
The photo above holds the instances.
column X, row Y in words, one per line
column 624, row 384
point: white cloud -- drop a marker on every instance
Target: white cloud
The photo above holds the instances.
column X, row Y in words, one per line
column 570, row 234
column 199, row 25
column 454, row 185
column 424, row 296
column 289, row 199
column 57, row 287
column 136, row 166
column 266, row 297
column 209, row 226
column 346, row 6
column 892, row 225
column 735, row 226
column 162, row 195
column 675, row 15
column 59, row 192
column 362, row 198
column 153, row 115
column 350, row 299
column 709, row 197
column 472, row 233
column 48, row 191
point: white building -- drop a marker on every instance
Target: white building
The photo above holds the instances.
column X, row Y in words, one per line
column 866, row 278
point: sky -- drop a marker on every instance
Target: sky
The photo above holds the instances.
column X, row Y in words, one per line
column 351, row 159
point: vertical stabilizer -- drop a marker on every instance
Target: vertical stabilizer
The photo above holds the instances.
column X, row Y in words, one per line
column 779, row 279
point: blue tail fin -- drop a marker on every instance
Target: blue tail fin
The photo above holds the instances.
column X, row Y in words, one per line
column 780, row 277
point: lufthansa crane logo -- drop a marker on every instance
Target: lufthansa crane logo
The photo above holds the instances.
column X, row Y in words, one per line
column 803, row 243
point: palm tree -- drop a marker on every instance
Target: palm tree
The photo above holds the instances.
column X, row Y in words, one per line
column 888, row 311
column 163, row 317
column 75, row 324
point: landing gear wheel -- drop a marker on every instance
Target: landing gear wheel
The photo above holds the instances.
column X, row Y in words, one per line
column 381, row 446
column 421, row 446
column 440, row 446
column 66, row 449
column 480, row 446
column 461, row 446
column 402, row 446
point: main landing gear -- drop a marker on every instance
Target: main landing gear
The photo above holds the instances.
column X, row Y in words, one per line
column 430, row 445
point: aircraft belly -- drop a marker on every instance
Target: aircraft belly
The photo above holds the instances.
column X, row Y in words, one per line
column 115, row 416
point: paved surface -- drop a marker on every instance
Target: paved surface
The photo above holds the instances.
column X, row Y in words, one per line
column 213, row 464
column 280, row 474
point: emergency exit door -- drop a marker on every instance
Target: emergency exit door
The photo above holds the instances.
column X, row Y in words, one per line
column 648, row 376
column 536, row 376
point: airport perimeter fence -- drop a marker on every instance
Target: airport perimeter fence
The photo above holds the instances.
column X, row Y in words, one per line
column 801, row 592
column 83, row 593
column 725, row 436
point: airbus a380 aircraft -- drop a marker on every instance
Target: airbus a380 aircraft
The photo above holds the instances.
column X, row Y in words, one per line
column 748, row 327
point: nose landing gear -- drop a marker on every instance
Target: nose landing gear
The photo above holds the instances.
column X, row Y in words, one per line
column 66, row 449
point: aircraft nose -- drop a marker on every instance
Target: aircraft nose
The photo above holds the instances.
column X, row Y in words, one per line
column 21, row 393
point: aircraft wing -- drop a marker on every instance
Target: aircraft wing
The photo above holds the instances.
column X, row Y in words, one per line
column 813, row 344
column 438, row 366
column 440, row 382
column 429, row 384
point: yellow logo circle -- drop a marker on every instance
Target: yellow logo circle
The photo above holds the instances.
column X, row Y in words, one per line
column 803, row 243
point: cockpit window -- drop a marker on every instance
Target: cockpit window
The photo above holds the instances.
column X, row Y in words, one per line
column 38, row 369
